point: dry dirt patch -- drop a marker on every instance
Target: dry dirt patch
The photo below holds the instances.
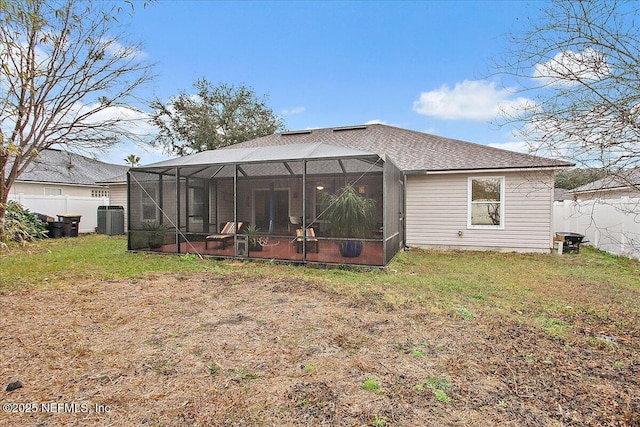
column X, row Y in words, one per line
column 204, row 350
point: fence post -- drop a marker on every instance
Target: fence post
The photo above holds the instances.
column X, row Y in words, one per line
column 624, row 202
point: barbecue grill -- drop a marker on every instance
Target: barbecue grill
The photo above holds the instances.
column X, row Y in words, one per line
column 571, row 241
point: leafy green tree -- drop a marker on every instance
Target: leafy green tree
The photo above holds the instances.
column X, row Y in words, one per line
column 215, row 117
column 68, row 78
column 576, row 177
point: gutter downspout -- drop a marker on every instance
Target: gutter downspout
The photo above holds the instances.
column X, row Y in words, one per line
column 404, row 211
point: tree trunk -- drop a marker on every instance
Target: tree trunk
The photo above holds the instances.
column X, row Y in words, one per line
column 5, row 184
column 4, row 193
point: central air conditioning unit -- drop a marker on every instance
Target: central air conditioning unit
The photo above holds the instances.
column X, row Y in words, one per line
column 242, row 246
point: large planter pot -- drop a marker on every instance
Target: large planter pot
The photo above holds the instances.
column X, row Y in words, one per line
column 351, row 216
column 156, row 242
column 154, row 234
column 350, row 248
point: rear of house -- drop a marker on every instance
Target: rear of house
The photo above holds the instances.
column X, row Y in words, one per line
column 458, row 195
column 429, row 192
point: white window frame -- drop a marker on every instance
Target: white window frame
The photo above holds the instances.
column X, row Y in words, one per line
column 193, row 203
column 470, row 203
column 153, row 192
column 59, row 189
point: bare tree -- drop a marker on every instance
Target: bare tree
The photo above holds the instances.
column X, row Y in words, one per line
column 68, row 78
column 579, row 62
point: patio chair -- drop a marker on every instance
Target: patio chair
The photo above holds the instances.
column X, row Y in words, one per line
column 312, row 242
column 227, row 233
column 293, row 220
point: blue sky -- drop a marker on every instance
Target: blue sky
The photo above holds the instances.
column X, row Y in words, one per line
column 425, row 66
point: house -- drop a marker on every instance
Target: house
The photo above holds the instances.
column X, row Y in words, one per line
column 560, row 194
column 430, row 192
column 59, row 182
column 624, row 184
column 60, row 173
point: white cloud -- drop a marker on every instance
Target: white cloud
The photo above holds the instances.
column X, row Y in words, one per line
column 292, row 111
column 376, row 122
column 133, row 121
column 519, row 146
column 117, row 50
column 120, row 120
column 470, row 100
column 568, row 67
column 148, row 154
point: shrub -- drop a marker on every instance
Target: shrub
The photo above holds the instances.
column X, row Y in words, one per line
column 20, row 225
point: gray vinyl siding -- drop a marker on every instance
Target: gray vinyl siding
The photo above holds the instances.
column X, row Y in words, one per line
column 437, row 211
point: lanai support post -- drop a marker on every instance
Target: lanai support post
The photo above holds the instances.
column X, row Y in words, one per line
column 304, row 211
column 177, row 210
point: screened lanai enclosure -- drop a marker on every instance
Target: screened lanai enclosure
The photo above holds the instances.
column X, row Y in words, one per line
column 287, row 203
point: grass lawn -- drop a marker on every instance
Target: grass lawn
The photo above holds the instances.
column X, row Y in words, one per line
column 439, row 338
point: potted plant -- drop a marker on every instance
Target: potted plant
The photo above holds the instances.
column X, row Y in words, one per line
column 155, row 234
column 352, row 218
column 253, row 238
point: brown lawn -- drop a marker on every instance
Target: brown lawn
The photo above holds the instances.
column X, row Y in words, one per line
column 194, row 350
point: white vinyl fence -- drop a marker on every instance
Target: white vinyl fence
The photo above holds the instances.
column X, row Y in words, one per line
column 57, row 205
column 612, row 225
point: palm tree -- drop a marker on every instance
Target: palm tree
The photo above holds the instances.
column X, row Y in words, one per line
column 132, row 160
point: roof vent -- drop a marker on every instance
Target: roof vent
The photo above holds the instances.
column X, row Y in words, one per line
column 296, row 132
column 349, row 128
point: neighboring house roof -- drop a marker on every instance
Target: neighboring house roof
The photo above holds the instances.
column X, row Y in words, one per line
column 118, row 179
column 62, row 167
column 411, row 151
column 560, row 194
column 621, row 181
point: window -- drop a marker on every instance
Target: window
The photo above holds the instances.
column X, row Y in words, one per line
column 486, row 202
column 52, row 191
column 99, row 193
column 148, row 202
column 196, row 203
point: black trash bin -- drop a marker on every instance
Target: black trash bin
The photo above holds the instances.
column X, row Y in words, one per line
column 55, row 229
column 70, row 224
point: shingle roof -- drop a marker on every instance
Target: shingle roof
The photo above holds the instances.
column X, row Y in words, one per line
column 69, row 168
column 411, row 151
column 622, row 180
